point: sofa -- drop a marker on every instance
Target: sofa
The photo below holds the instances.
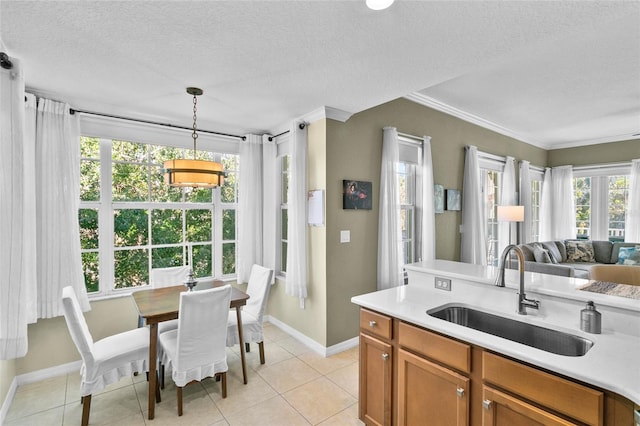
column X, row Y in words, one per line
column 575, row 258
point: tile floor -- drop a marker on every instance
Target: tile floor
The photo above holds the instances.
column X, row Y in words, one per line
column 295, row 387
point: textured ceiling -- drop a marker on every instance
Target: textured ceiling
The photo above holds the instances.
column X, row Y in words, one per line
column 550, row 73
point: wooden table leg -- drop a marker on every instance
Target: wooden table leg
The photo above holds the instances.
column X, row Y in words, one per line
column 244, row 364
column 153, row 376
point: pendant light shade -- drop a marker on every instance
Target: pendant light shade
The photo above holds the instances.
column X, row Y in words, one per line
column 193, row 173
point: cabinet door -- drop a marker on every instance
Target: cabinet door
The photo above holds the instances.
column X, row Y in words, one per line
column 429, row 394
column 375, row 381
column 500, row 409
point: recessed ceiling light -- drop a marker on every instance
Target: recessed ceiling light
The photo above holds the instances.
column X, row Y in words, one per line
column 379, row 4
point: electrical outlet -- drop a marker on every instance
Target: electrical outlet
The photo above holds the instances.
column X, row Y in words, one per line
column 443, row 283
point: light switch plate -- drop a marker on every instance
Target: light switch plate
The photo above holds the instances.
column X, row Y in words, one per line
column 345, row 236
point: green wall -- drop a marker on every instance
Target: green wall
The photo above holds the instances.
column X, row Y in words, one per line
column 614, row 152
column 7, row 374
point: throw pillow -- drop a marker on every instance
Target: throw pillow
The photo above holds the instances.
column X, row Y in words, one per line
column 541, row 255
column 580, row 251
column 629, row 256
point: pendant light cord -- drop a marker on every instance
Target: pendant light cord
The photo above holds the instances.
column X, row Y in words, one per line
column 194, row 135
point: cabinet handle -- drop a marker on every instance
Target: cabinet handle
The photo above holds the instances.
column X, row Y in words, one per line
column 385, row 357
column 460, row 392
column 486, row 404
column 372, row 323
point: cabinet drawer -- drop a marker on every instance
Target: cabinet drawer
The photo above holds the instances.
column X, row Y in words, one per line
column 375, row 323
column 574, row 400
column 442, row 349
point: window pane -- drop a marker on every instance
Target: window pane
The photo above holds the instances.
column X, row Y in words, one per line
column 129, row 151
column 202, row 264
column 582, row 190
column 159, row 154
column 618, row 199
column 198, row 225
column 160, row 191
column 166, row 257
column 198, row 195
column 166, row 226
column 130, row 227
column 228, row 258
column 283, row 266
column 285, row 222
column 88, row 219
column 228, row 224
column 89, row 180
column 131, row 268
column 228, row 190
column 89, row 147
column 130, row 182
column 90, row 269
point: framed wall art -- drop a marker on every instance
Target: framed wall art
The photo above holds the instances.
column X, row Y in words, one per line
column 356, row 195
column 438, row 198
column 453, row 199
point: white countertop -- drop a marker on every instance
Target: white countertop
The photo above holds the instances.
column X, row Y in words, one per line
column 612, row 363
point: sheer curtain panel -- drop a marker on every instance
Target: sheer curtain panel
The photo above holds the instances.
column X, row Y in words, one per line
column 632, row 221
column 17, row 234
column 507, row 233
column 269, row 202
column 525, row 200
column 389, row 230
column 427, row 230
column 58, row 199
column 296, row 281
column 546, row 231
column 563, row 210
column 473, row 241
column 250, row 207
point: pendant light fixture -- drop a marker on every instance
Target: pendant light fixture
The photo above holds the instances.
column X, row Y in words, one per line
column 193, row 173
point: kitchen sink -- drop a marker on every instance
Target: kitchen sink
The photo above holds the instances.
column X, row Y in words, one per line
column 546, row 339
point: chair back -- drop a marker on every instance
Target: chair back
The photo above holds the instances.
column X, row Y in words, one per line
column 258, row 291
column 202, row 331
column 165, row 277
column 77, row 326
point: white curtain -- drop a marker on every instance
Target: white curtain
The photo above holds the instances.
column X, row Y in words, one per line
column 546, row 207
column 426, row 222
column 250, row 207
column 17, row 228
column 389, row 230
column 525, row 200
column 270, row 206
column 58, row 200
column 473, row 241
column 632, row 221
column 563, row 211
column 296, row 282
column 507, row 230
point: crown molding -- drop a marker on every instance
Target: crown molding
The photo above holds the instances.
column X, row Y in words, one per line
column 315, row 115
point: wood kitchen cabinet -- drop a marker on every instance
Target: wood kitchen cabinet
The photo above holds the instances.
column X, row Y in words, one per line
column 413, row 376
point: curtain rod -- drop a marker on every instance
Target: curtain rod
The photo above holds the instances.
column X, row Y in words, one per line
column 5, row 62
column 73, row 111
column 301, row 126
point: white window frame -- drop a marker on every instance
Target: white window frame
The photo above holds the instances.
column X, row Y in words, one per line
column 491, row 163
column 283, row 148
column 536, row 174
column 108, row 129
column 410, row 153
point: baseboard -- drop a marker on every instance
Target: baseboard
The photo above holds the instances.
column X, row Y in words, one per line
column 47, row 373
column 312, row 344
column 8, row 400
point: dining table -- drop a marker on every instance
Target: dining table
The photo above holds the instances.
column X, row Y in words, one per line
column 156, row 305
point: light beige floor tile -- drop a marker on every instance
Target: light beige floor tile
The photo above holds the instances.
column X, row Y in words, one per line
column 272, row 412
column 326, row 365
column 198, row 409
column 273, row 354
column 294, row 346
column 288, row 374
column 73, row 387
column 36, row 397
column 52, row 416
column 239, row 396
column 352, row 353
column 347, row 378
column 318, row 400
column 272, row 333
column 106, row 408
column 348, row 417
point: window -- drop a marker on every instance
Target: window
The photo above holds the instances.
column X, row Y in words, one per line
column 131, row 221
column 601, row 197
column 284, row 193
column 407, row 183
column 536, row 192
column 491, row 190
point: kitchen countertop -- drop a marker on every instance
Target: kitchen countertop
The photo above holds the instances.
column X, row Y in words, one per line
column 612, row 363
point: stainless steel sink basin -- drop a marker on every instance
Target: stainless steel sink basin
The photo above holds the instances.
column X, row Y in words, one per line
column 538, row 337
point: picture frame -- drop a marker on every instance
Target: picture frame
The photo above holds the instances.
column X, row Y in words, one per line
column 438, row 198
column 453, row 200
column 356, row 195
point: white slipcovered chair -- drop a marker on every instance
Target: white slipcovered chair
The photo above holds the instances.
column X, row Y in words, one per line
column 252, row 313
column 107, row 360
column 167, row 277
column 196, row 349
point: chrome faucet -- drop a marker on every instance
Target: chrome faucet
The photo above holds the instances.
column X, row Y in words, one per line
column 523, row 302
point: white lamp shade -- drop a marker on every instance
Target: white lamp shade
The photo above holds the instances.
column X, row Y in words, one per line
column 510, row 213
